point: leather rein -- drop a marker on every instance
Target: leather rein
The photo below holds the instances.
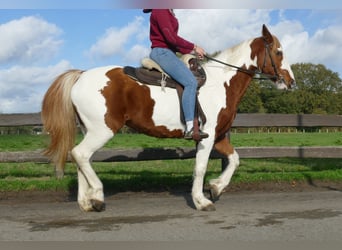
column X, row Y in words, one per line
column 262, row 76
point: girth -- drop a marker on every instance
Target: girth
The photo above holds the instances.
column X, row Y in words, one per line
column 151, row 74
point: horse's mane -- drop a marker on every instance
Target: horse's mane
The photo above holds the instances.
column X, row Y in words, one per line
column 235, row 55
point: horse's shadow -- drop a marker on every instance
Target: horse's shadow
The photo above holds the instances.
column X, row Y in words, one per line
column 142, row 182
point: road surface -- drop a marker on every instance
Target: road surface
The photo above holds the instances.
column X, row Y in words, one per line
column 239, row 216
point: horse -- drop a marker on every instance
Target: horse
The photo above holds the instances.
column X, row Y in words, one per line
column 104, row 99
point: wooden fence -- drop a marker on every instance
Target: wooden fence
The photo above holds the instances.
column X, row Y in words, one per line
column 242, row 120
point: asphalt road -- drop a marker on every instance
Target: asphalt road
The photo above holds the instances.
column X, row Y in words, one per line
column 241, row 216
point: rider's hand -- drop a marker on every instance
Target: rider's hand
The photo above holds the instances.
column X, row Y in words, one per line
column 200, row 52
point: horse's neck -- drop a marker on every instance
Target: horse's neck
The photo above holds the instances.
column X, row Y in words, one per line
column 239, row 55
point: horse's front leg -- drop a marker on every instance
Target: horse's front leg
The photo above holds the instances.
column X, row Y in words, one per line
column 217, row 185
column 202, row 157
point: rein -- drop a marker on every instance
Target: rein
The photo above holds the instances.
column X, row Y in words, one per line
column 251, row 72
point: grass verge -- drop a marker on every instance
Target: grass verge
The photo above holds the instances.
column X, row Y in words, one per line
column 34, row 142
column 172, row 174
column 167, row 175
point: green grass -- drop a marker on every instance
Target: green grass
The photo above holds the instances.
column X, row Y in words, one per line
column 34, row 142
column 172, row 174
column 287, row 139
column 167, row 175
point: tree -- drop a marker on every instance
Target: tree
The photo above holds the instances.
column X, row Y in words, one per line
column 251, row 101
column 316, row 78
column 319, row 89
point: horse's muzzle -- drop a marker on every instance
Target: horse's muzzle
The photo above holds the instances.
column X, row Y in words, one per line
column 281, row 84
column 293, row 85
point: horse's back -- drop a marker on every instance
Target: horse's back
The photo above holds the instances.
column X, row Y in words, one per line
column 92, row 80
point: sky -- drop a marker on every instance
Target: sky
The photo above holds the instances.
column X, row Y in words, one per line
column 42, row 39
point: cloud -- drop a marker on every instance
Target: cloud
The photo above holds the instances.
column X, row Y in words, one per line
column 115, row 39
column 22, row 88
column 216, row 30
column 326, row 45
column 136, row 53
column 321, row 47
column 28, row 40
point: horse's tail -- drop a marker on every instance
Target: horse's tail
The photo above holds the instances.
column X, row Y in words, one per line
column 59, row 119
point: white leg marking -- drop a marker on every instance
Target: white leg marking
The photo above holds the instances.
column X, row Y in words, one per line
column 217, row 185
column 202, row 157
column 90, row 187
column 83, row 187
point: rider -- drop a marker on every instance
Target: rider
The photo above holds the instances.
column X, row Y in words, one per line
column 165, row 43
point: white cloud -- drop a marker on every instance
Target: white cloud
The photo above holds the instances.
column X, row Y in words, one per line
column 322, row 47
column 28, row 40
column 22, row 88
column 216, row 30
column 114, row 40
column 136, row 53
column 327, row 44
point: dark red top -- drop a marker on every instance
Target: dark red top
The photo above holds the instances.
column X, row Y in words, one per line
column 164, row 32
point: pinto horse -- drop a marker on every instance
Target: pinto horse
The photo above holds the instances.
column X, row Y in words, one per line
column 105, row 99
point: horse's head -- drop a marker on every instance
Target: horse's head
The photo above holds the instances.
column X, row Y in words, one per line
column 271, row 60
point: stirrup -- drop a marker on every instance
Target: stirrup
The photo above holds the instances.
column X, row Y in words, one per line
column 189, row 135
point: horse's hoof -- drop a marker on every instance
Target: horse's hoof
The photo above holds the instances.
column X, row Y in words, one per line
column 98, row 206
column 214, row 193
column 209, row 208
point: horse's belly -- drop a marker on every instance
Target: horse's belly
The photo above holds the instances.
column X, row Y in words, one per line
column 166, row 110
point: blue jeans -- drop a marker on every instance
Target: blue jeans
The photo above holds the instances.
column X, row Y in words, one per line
column 175, row 68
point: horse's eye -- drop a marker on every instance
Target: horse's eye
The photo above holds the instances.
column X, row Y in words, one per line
column 279, row 53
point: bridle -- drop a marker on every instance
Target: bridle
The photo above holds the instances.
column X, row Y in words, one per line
column 258, row 71
column 277, row 76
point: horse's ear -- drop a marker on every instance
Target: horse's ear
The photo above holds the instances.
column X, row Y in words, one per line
column 266, row 34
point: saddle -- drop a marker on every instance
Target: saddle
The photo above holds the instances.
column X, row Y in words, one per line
column 151, row 73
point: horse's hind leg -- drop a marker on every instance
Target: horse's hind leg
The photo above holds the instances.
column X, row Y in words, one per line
column 90, row 188
column 217, row 185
